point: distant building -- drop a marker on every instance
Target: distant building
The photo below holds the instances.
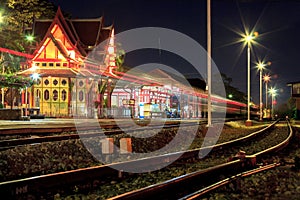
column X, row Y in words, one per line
column 295, row 93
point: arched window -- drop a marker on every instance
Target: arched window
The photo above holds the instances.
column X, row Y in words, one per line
column 55, row 95
column 46, row 95
column 63, row 95
column 81, row 96
column 38, row 93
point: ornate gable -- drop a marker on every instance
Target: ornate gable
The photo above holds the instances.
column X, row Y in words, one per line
column 67, row 40
column 57, row 44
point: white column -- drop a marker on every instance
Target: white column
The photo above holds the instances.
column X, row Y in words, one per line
column 260, row 95
column 209, row 63
column 248, row 53
column 26, row 101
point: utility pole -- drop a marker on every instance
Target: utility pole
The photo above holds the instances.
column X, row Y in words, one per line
column 208, row 63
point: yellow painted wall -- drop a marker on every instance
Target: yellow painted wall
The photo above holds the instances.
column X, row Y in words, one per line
column 55, row 105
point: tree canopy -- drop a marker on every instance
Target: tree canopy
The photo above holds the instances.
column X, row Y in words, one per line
column 17, row 16
column 14, row 81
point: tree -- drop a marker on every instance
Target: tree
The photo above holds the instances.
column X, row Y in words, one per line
column 287, row 109
column 9, row 63
column 14, row 83
column 234, row 93
column 18, row 16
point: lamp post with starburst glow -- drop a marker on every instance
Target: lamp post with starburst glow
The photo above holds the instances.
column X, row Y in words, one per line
column 273, row 93
column 248, row 40
column 260, row 67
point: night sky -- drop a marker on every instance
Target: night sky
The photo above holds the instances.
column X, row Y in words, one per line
column 276, row 21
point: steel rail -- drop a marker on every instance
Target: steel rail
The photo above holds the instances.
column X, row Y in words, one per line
column 37, row 183
column 193, row 152
column 6, row 144
column 30, row 129
column 278, row 146
column 168, row 186
column 260, row 154
column 226, row 181
column 154, row 191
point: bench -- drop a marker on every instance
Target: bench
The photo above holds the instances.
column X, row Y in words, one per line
column 34, row 113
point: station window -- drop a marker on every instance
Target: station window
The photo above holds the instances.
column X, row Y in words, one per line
column 55, row 82
column 55, row 95
column 37, row 64
column 57, row 64
column 38, row 93
column 46, row 82
column 80, row 83
column 46, row 95
column 65, row 64
column 51, row 64
column 81, row 96
column 38, row 81
column 63, row 95
column 44, row 64
column 296, row 89
column 63, row 82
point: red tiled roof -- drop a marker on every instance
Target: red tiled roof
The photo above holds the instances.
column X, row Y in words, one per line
column 83, row 33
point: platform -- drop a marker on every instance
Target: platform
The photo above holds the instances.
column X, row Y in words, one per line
column 66, row 122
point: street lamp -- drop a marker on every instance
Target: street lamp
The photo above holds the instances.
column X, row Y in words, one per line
column 29, row 38
column 1, row 59
column 273, row 93
column 1, row 17
column 248, row 39
column 209, row 109
column 260, row 67
column 2, row 88
column 266, row 80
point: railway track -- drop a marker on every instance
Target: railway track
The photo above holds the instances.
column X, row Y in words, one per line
column 209, row 179
column 46, row 129
column 39, row 135
column 11, row 143
column 91, row 176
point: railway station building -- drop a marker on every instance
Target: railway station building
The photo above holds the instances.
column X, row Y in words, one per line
column 63, row 82
column 70, row 81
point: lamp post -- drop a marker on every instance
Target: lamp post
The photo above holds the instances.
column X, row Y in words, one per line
column 1, row 59
column 260, row 67
column 248, row 39
column 209, row 116
column 2, row 88
column 273, row 93
column 266, row 80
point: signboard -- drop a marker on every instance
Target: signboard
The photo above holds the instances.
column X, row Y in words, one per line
column 142, row 111
column 131, row 102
